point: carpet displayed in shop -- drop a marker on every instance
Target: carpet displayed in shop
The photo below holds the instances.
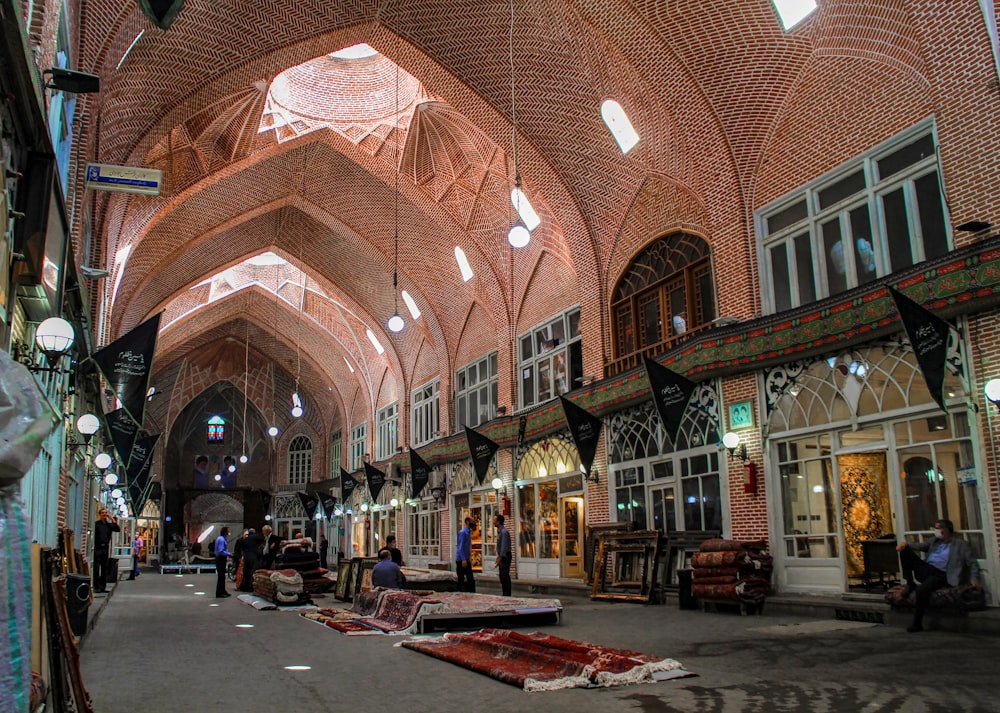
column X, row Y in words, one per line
column 394, row 611
column 262, row 604
column 540, row 662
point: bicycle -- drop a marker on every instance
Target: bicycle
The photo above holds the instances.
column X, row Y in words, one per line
column 231, row 569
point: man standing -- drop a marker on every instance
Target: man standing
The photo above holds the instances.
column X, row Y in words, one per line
column 137, row 544
column 949, row 562
column 463, row 557
column 504, row 554
column 271, row 543
column 251, row 549
column 105, row 525
column 221, row 557
column 387, row 573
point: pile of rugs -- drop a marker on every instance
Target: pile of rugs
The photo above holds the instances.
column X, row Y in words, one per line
column 283, row 587
column 731, row 571
column 962, row 598
column 540, row 662
column 400, row 611
column 315, row 579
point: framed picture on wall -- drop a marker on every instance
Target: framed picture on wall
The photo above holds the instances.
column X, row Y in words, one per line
column 741, row 415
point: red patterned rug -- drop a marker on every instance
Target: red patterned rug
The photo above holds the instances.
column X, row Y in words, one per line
column 540, row 662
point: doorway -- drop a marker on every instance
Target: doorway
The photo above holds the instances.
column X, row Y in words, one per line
column 571, row 525
column 866, row 514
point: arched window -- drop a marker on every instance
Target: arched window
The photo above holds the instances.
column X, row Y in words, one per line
column 300, row 461
column 216, row 429
column 666, row 292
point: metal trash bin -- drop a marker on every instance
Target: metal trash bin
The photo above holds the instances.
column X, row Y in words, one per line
column 77, row 602
column 685, row 599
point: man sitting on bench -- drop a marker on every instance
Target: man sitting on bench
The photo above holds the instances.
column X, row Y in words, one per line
column 948, row 561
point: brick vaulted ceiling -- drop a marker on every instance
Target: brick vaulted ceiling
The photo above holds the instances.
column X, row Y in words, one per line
column 310, row 173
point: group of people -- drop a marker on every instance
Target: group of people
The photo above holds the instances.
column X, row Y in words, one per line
column 463, row 556
column 250, row 552
column 388, row 572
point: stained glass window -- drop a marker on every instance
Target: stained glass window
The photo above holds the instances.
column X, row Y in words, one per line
column 216, row 429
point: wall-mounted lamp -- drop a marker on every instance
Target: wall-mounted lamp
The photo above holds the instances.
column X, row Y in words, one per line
column 732, row 443
column 439, row 488
column 501, row 410
column 87, row 425
column 592, row 475
column 992, row 391
column 67, row 80
column 497, row 484
column 53, row 337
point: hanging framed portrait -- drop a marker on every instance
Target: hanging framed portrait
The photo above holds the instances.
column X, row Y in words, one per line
column 741, row 415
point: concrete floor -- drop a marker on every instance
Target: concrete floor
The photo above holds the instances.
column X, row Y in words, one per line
column 159, row 645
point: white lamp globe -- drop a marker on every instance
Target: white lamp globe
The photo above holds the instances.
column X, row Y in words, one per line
column 243, row 458
column 730, row 440
column 394, row 502
column 88, row 424
column 111, row 479
column 396, row 323
column 364, row 507
column 54, row 335
column 992, row 390
column 116, row 493
column 272, row 431
column 519, row 236
column 102, row 461
column 497, row 483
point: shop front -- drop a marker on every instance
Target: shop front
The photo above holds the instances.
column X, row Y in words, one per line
column 551, row 512
column 863, row 458
column 479, row 502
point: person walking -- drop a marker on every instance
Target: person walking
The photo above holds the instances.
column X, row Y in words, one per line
column 137, row 544
column 105, row 526
column 463, row 557
column 504, row 554
column 221, row 558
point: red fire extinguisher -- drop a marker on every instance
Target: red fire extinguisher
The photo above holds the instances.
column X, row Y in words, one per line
column 750, row 479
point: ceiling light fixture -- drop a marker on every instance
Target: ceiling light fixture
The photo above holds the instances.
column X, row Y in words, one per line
column 519, row 236
column 396, row 323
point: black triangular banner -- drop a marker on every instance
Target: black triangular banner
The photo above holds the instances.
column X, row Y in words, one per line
column 329, row 503
column 137, row 477
column 420, row 473
column 347, row 485
column 127, row 364
column 161, row 13
column 928, row 335
column 671, row 393
column 123, row 433
column 586, row 431
column 376, row 479
column 482, row 450
column 309, row 504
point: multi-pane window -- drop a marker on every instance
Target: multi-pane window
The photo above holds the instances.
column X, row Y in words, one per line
column 300, row 458
column 426, row 413
column 476, row 392
column 805, row 467
column 386, row 431
column 216, row 429
column 422, row 530
column 875, row 215
column 667, row 291
column 336, row 453
column 359, row 439
column 550, row 359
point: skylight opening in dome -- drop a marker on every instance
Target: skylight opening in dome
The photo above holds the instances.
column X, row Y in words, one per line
column 792, row 12
column 375, row 342
column 463, row 264
column 619, row 125
column 349, row 365
column 524, row 209
column 411, row 305
column 265, row 260
column 358, row 51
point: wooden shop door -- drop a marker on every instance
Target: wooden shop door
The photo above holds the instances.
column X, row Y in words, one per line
column 571, row 537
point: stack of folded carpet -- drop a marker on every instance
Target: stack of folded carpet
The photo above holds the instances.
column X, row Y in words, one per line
column 283, row 587
column 731, row 570
column 317, row 581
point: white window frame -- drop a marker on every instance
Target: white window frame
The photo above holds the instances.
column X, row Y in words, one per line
column 533, row 358
column 300, row 457
column 386, row 431
column 476, row 382
column 425, row 413
column 871, row 196
column 359, row 442
column 423, row 531
column 336, row 453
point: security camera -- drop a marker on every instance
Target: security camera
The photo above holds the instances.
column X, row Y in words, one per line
column 92, row 273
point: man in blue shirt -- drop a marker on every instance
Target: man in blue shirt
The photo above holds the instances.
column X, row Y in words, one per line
column 949, row 563
column 463, row 557
column 504, row 554
column 221, row 558
column 387, row 573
